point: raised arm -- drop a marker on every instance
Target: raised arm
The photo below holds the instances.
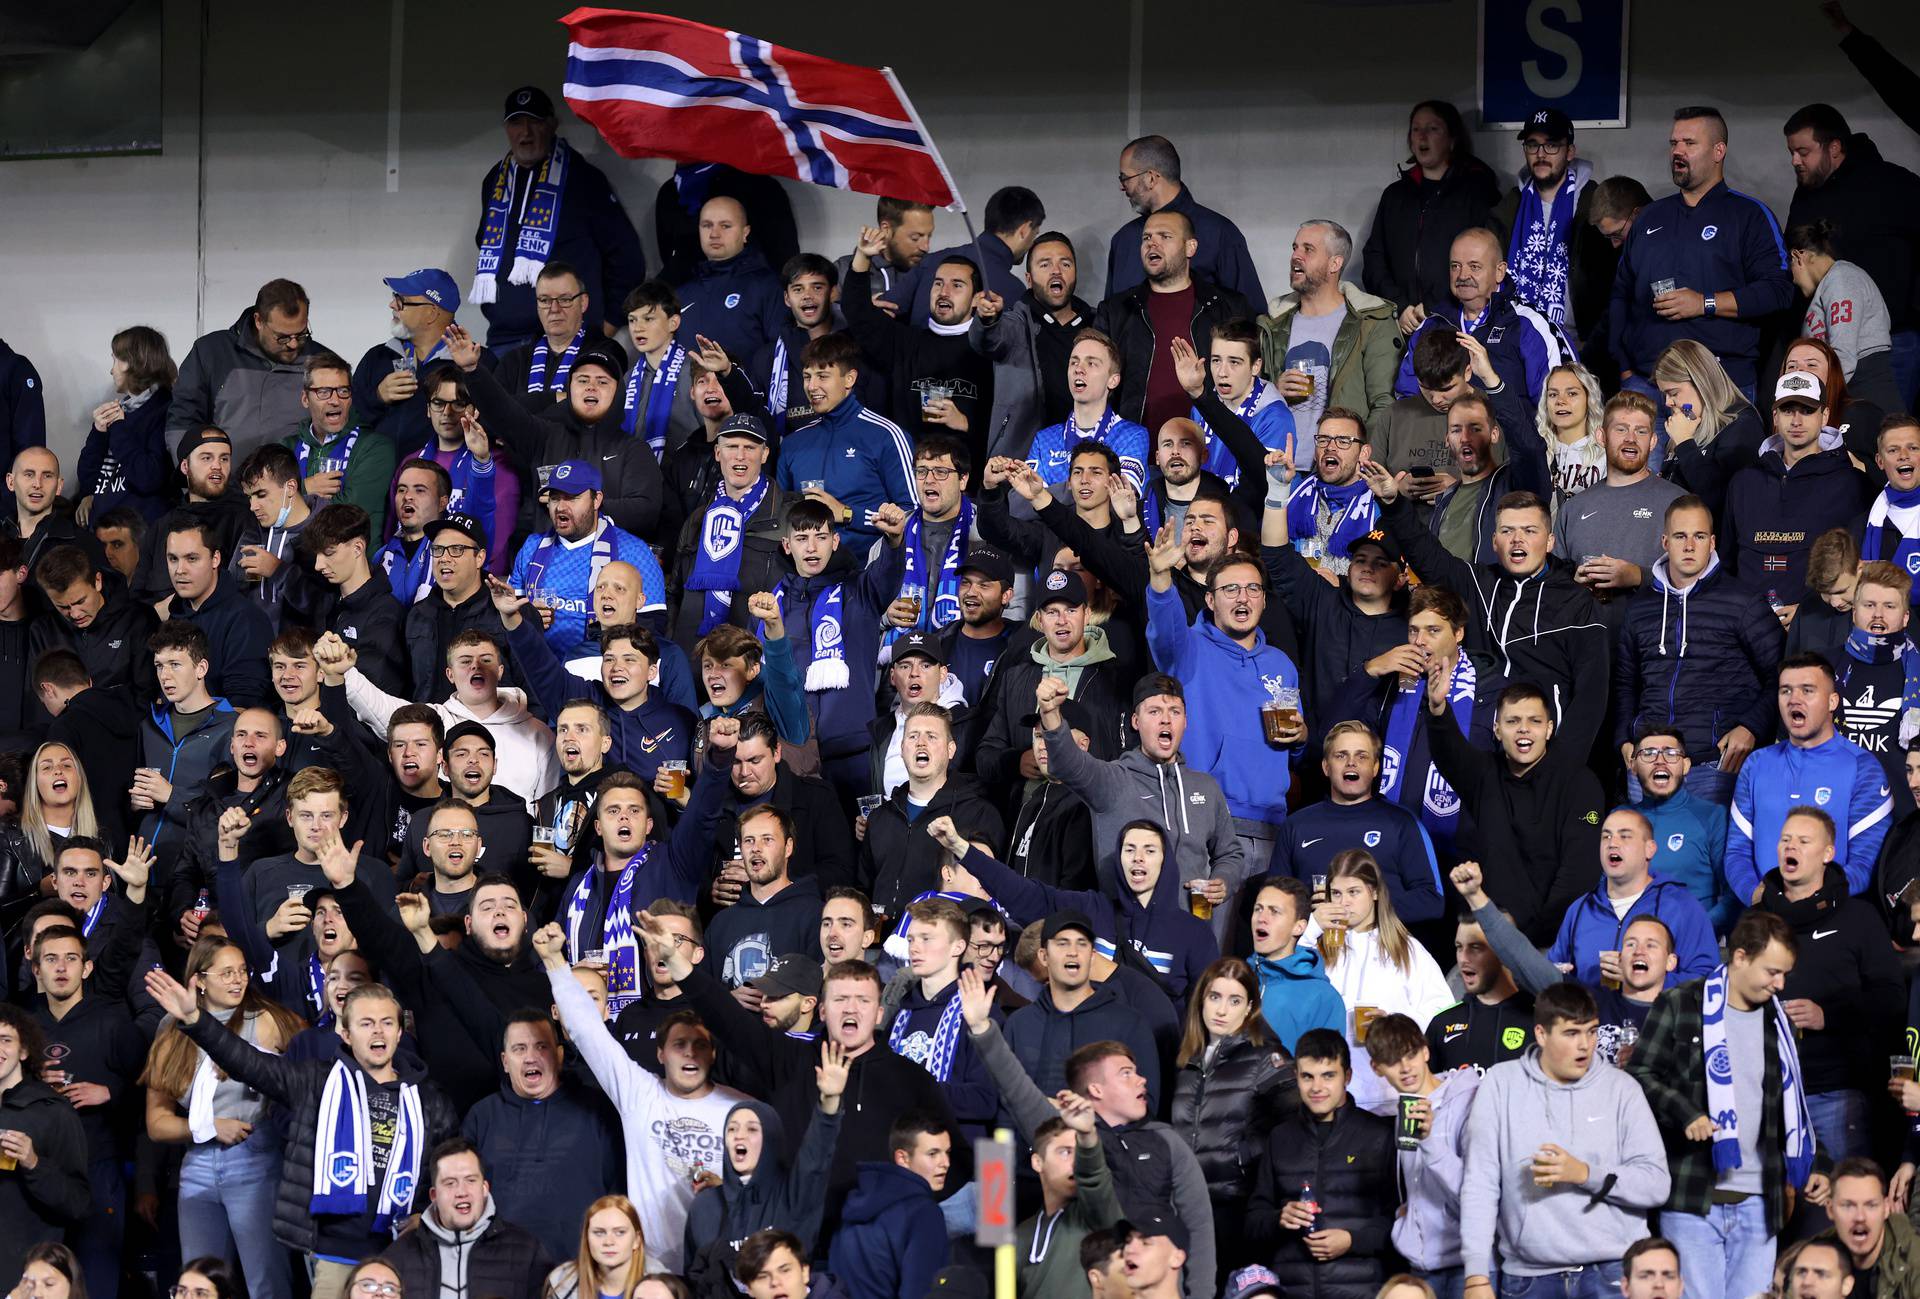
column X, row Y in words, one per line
column 1528, row 964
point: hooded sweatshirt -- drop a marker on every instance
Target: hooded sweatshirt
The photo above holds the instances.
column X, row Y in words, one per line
column 492, row 1257
column 1428, row 1233
column 1692, row 837
column 522, row 744
column 1773, row 513
column 1295, row 995
column 1365, row 976
column 1041, row 1037
column 773, row 1195
column 892, row 1238
column 747, row 937
column 1185, row 802
column 1603, row 1119
column 1592, row 925
column 1224, row 732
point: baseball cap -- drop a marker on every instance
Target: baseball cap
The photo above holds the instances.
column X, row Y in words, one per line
column 1062, row 584
column 431, row 283
column 604, row 353
column 958, row 1283
column 1550, row 122
column 742, row 425
column 1378, row 537
column 468, row 730
column 572, row 477
column 1157, row 683
column 1072, row 712
column 1250, row 1281
column 464, row 524
column 200, row 437
column 788, row 975
column 1797, row 386
column 1154, row 1222
column 990, row 564
column 1061, row 921
column 528, row 101
column 926, row 645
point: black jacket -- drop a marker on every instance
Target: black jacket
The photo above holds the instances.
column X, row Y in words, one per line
column 1125, row 319
column 199, row 861
column 899, row 860
column 373, row 623
column 1706, row 471
column 39, row 1204
column 432, row 624
column 1543, row 628
column 1225, row 1108
column 1350, row 1164
column 1052, row 839
column 500, row 1259
column 1105, row 690
column 825, row 851
column 1029, row 543
column 1847, row 967
column 298, row 1086
column 113, row 645
column 238, row 633
column 102, row 727
column 1773, row 514
column 1411, row 242
column 1338, row 638
column 912, row 356
column 762, row 564
column 635, row 489
column 1537, row 836
column 226, row 515
column 1874, row 206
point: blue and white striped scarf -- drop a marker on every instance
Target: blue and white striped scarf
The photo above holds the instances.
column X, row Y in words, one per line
column 539, row 222
column 1720, row 1103
column 939, row 598
column 617, row 936
column 343, row 1151
column 537, row 380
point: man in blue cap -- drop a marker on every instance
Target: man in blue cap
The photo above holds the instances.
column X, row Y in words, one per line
column 387, row 391
column 557, row 568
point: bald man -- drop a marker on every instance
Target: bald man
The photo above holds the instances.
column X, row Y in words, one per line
column 1522, row 343
column 35, row 483
column 734, row 297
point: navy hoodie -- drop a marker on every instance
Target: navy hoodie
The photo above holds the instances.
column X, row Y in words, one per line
column 238, row 633
column 1313, row 835
column 970, row 1088
column 658, row 731
column 746, row 938
column 1774, row 513
column 739, row 304
column 773, row 1196
column 549, row 1159
column 841, row 717
column 1042, row 1037
column 892, row 1238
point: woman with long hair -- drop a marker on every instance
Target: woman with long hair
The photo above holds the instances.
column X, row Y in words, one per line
column 52, row 1272
column 1235, row 1083
column 612, row 1258
column 1569, row 423
column 206, row 1278
column 1373, row 962
column 1712, row 429
column 1442, row 189
column 126, row 458
column 232, row 1164
column 1856, row 419
column 58, row 805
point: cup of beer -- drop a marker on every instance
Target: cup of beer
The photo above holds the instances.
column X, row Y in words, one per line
column 914, row 596
column 1305, row 370
column 1901, row 1067
column 7, row 1162
column 676, row 778
column 1197, row 901
column 1333, row 940
column 1609, row 983
column 1280, row 715
column 1363, row 1017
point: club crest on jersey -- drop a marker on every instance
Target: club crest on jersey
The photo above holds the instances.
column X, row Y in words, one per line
column 1709, row 232
column 1372, row 838
column 1823, row 795
column 733, row 300
column 1675, row 842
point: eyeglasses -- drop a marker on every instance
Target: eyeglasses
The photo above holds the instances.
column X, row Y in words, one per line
column 450, row 552
column 192, row 1292
column 445, row 403
column 284, row 339
column 1341, row 441
column 453, row 834
column 986, row 949
column 1551, row 148
column 1126, row 180
column 1233, row 590
column 383, row 1289
column 934, row 473
column 551, row 301
column 327, row 394
column 1669, row 753
column 414, row 302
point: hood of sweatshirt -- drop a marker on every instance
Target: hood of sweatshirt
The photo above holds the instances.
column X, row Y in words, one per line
column 882, row 1187
column 748, row 263
column 451, row 1240
column 1303, row 964
column 1818, row 465
column 108, row 716
column 512, row 710
column 1807, row 912
column 739, row 1192
column 1096, row 651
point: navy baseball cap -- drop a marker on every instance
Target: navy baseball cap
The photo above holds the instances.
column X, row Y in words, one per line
column 1550, row 122
column 923, row 644
column 429, row 282
column 742, row 425
column 572, row 477
column 528, row 101
column 1062, row 585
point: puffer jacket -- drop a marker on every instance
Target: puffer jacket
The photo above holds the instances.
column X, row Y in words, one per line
column 228, row 381
column 1349, row 1162
column 1701, row 660
column 1225, row 1104
column 1365, row 350
column 298, row 1086
column 495, row 1257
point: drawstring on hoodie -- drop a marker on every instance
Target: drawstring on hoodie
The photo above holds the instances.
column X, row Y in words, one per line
column 1180, row 795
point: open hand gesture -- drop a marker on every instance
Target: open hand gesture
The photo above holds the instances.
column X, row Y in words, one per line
column 173, row 997
column 976, row 1000
column 461, row 347
column 712, row 356
column 1167, row 553
column 1188, row 368
column 830, row 1075
column 339, row 861
column 136, row 868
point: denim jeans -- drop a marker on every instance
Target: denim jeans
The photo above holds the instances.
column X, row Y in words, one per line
column 1727, row 1253
column 1839, row 1122
column 961, row 1210
column 226, row 1209
column 1594, row 1281
column 1447, row 1283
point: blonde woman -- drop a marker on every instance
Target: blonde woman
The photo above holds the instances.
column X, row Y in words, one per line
column 232, row 1166
column 58, row 804
column 1373, row 962
column 1712, row 429
column 1569, row 422
column 613, row 1254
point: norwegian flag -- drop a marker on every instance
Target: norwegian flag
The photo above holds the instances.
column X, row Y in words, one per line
column 661, row 87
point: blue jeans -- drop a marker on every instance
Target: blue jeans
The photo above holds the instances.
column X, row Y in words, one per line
column 1594, row 1281
column 1906, row 364
column 1447, row 1283
column 226, row 1209
column 1725, row 1254
column 961, row 1210
column 1839, row 1123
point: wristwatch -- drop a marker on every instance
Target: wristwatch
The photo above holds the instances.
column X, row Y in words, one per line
column 1706, row 305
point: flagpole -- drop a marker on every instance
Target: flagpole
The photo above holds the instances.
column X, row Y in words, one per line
column 959, row 204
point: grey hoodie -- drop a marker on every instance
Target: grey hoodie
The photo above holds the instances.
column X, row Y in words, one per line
column 1186, row 803
column 1603, row 1120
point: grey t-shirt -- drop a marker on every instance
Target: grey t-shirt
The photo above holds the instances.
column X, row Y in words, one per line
column 1310, row 344
column 1747, row 1046
column 1619, row 522
column 1847, row 311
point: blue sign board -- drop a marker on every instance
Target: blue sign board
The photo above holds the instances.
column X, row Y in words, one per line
column 1564, row 54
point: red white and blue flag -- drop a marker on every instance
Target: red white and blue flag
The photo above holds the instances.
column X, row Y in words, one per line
column 660, row 87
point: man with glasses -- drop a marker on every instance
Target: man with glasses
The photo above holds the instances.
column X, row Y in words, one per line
column 1560, row 263
column 247, row 377
column 1150, row 179
column 538, row 370
column 457, row 549
column 340, row 458
column 480, row 480
column 386, row 384
column 1616, row 204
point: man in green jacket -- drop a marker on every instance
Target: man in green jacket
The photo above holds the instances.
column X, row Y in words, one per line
column 1879, row 1239
column 340, row 458
column 1328, row 343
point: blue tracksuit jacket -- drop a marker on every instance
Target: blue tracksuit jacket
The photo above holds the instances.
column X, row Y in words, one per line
column 1395, row 837
column 1838, row 777
column 1591, row 927
column 1692, row 834
column 864, row 459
